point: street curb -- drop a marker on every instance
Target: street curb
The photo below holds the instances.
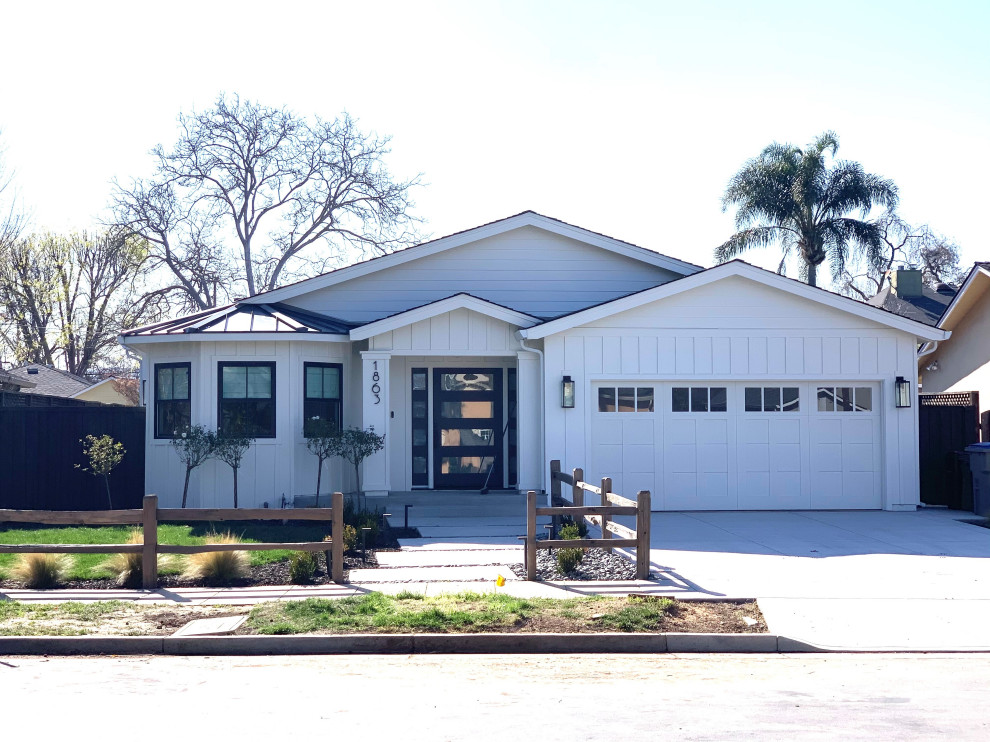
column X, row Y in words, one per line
column 604, row 643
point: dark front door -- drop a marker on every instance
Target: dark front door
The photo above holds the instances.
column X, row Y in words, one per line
column 467, row 428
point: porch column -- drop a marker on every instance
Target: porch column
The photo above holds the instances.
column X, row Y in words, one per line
column 375, row 413
column 529, row 416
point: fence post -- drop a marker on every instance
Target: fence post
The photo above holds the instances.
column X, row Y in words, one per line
column 556, row 497
column 606, row 488
column 577, row 494
column 531, row 535
column 337, row 536
column 149, row 550
column 643, row 535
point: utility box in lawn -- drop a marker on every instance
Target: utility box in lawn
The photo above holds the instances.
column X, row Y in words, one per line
column 979, row 465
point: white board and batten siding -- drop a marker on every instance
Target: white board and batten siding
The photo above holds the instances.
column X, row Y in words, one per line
column 528, row 269
column 735, row 333
column 272, row 466
column 461, row 331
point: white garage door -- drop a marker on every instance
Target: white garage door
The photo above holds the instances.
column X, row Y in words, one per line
column 738, row 445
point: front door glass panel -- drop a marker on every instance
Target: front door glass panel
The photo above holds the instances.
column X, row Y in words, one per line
column 468, row 437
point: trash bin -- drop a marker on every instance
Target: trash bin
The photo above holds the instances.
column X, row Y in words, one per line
column 979, row 465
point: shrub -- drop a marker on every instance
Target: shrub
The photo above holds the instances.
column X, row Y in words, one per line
column 129, row 568
column 568, row 559
column 350, row 538
column 218, row 567
column 42, row 571
column 580, row 524
column 302, row 567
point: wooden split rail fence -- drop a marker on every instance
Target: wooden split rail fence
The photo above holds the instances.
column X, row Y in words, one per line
column 598, row 515
column 150, row 515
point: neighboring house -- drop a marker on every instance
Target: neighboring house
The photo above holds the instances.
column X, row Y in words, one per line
column 907, row 295
column 50, row 381
column 11, row 383
column 487, row 353
column 962, row 363
column 112, row 390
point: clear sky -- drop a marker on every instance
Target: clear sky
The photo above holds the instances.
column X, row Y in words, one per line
column 627, row 118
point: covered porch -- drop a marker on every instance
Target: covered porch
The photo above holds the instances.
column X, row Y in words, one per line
column 459, row 397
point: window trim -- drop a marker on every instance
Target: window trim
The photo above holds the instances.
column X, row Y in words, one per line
column 221, row 365
column 340, row 389
column 156, row 434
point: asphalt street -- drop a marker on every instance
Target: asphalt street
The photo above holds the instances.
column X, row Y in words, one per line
column 505, row 698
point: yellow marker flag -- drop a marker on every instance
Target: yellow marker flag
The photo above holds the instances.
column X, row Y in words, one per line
column 500, row 581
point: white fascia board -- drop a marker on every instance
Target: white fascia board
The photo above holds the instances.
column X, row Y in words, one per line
column 528, row 219
column 745, row 270
column 459, row 301
column 219, row 337
column 977, row 270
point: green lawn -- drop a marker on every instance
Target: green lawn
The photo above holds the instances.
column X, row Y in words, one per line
column 88, row 566
column 462, row 612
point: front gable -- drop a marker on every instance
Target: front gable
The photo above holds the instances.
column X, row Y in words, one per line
column 459, row 331
column 528, row 263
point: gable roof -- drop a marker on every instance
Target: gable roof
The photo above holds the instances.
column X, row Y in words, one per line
column 926, row 308
column 966, row 295
column 245, row 318
column 457, row 239
column 745, row 270
column 17, row 381
column 49, row 381
column 457, row 301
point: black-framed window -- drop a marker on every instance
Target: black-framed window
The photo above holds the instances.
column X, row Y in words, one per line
column 322, row 394
column 246, row 398
column 698, row 399
column 173, row 411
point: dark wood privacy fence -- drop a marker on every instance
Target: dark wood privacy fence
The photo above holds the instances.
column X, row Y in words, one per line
column 598, row 515
column 150, row 515
column 947, row 423
column 39, row 448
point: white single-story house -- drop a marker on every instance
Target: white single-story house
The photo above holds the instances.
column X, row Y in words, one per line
column 487, row 353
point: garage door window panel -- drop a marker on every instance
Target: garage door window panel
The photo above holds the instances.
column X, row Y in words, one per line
column 626, row 399
column 772, row 399
column 698, row 399
column 845, row 399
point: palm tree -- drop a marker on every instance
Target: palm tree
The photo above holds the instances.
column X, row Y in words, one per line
column 799, row 199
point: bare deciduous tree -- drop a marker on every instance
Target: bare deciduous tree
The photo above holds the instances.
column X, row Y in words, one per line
column 248, row 190
column 68, row 297
column 934, row 254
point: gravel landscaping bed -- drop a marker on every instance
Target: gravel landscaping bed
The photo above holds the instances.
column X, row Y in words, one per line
column 597, row 564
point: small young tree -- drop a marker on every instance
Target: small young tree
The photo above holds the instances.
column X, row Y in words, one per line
column 104, row 455
column 355, row 445
column 230, row 449
column 322, row 443
column 194, row 445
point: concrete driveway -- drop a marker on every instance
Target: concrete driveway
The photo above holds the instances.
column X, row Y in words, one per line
column 843, row 579
column 865, row 580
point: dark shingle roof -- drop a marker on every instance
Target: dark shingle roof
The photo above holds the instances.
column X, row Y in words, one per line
column 51, row 381
column 926, row 308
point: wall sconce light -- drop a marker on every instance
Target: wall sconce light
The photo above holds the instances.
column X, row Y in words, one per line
column 567, row 393
column 902, row 392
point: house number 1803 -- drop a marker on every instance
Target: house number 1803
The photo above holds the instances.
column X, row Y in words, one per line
column 376, row 389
